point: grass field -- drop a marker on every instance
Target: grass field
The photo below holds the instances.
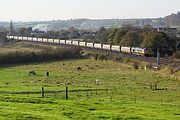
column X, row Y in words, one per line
column 22, row 46
column 123, row 93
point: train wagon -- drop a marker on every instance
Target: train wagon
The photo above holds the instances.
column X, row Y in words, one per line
column 68, row 42
column 56, row 40
column 16, row 37
column 29, row 38
column 62, row 41
column 90, row 45
column 34, row 39
column 11, row 37
column 20, row 38
column 8, row 37
column 40, row 39
column 126, row 49
column 106, row 47
column 76, row 43
column 25, row 38
column 98, row 46
column 82, row 44
column 116, row 48
column 140, row 51
column 50, row 40
column 45, row 40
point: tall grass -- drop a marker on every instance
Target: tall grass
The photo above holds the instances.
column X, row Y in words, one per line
column 31, row 56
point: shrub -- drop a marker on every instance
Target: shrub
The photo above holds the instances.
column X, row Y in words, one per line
column 117, row 58
column 28, row 56
column 176, row 55
column 96, row 56
column 147, row 65
column 126, row 60
column 135, row 65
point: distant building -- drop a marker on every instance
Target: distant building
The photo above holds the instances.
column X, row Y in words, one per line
column 166, row 29
column 11, row 29
column 37, row 32
column 88, row 33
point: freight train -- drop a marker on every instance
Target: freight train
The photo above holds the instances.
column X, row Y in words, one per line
column 81, row 43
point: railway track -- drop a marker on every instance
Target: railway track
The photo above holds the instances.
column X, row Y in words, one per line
column 153, row 60
column 104, row 48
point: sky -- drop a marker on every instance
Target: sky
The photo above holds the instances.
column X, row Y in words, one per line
column 41, row 10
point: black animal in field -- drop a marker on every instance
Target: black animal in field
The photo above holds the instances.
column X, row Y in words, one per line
column 32, row 73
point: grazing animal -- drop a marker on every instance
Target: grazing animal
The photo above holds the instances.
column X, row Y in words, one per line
column 47, row 73
column 32, row 73
column 78, row 68
column 97, row 82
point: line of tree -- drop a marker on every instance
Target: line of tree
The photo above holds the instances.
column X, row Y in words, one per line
column 145, row 37
column 29, row 56
column 3, row 38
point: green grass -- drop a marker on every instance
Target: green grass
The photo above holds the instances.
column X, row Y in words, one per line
column 124, row 93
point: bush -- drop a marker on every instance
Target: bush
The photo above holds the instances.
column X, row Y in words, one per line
column 146, row 65
column 135, row 65
column 176, row 55
column 96, row 56
column 28, row 56
column 117, row 58
column 126, row 60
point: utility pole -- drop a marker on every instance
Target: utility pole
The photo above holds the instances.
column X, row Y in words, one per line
column 66, row 90
column 158, row 58
column 11, row 29
column 42, row 92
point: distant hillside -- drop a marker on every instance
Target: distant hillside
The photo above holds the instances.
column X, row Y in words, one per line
column 173, row 19
column 86, row 23
column 83, row 23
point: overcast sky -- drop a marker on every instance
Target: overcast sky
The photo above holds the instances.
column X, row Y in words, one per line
column 40, row 10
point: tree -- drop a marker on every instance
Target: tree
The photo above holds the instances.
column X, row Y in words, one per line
column 3, row 38
column 178, row 43
column 155, row 41
column 132, row 39
column 172, row 41
column 178, row 46
column 101, row 35
column 64, row 34
column 11, row 30
column 2, row 29
column 24, row 31
column 147, row 28
column 73, row 33
column 116, row 35
column 111, row 35
column 119, row 36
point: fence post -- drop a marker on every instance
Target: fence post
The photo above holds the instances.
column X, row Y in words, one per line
column 158, row 59
column 110, row 98
column 161, row 101
column 77, row 93
column 42, row 92
column 96, row 91
column 106, row 90
column 135, row 100
column 66, row 92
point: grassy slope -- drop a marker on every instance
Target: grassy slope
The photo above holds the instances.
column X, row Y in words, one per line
column 128, row 95
column 22, row 46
